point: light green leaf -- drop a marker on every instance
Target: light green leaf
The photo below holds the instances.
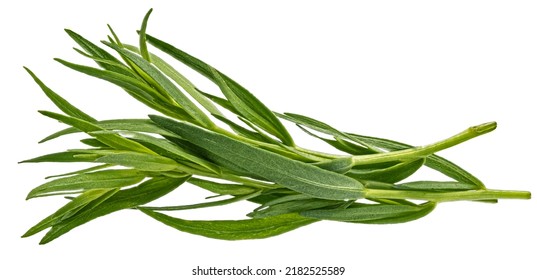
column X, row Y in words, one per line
column 235, row 229
column 293, row 207
column 98, row 52
column 138, row 125
column 242, row 100
column 166, row 86
column 110, row 139
column 143, row 44
column 58, row 157
column 140, row 161
column 295, row 175
column 106, row 179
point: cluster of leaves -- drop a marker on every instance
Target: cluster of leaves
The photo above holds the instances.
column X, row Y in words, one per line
column 140, row 160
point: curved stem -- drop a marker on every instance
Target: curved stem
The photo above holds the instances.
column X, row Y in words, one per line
column 423, row 151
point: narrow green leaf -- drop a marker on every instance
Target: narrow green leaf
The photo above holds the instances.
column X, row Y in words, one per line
column 242, row 100
column 295, row 175
column 61, row 103
column 110, row 139
column 167, row 148
column 71, row 208
column 98, row 52
column 222, row 189
column 391, row 174
column 235, row 229
column 424, row 210
column 58, row 157
column 139, row 125
column 362, row 212
column 134, row 87
column 167, row 86
column 143, row 44
column 106, row 179
column 140, row 161
column 323, row 128
column 92, row 142
column 181, row 80
column 124, row 199
column 436, row 186
column 293, row 207
column 85, row 170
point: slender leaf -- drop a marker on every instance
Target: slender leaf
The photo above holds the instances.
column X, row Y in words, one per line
column 71, row 208
column 222, row 189
column 235, row 229
column 181, row 80
column 68, row 156
column 436, row 186
column 167, row 86
column 124, row 199
column 295, row 175
column 242, row 100
column 362, row 213
column 106, row 179
column 110, row 139
column 143, row 44
column 203, row 204
column 98, row 52
column 293, row 207
column 61, row 103
column 140, row 161
column 167, row 148
column 391, row 174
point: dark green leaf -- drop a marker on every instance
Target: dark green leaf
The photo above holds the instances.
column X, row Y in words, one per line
column 362, row 212
column 72, row 208
column 391, row 174
column 124, row 199
column 295, row 175
column 235, row 229
column 61, row 103
column 222, row 189
column 293, row 207
column 436, row 186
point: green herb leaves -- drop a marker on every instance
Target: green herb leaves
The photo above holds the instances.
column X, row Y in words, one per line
column 133, row 162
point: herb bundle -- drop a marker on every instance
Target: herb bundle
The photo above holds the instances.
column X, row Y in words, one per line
column 235, row 147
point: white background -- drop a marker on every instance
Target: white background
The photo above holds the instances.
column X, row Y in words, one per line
column 414, row 71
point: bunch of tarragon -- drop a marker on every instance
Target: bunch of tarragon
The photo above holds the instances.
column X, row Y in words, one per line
column 253, row 159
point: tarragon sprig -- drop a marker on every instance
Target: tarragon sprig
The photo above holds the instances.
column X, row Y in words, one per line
column 253, row 158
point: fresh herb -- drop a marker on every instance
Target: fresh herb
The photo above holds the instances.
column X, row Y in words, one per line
column 255, row 159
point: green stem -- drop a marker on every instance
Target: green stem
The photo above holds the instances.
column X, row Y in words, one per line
column 417, row 152
column 447, row 196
